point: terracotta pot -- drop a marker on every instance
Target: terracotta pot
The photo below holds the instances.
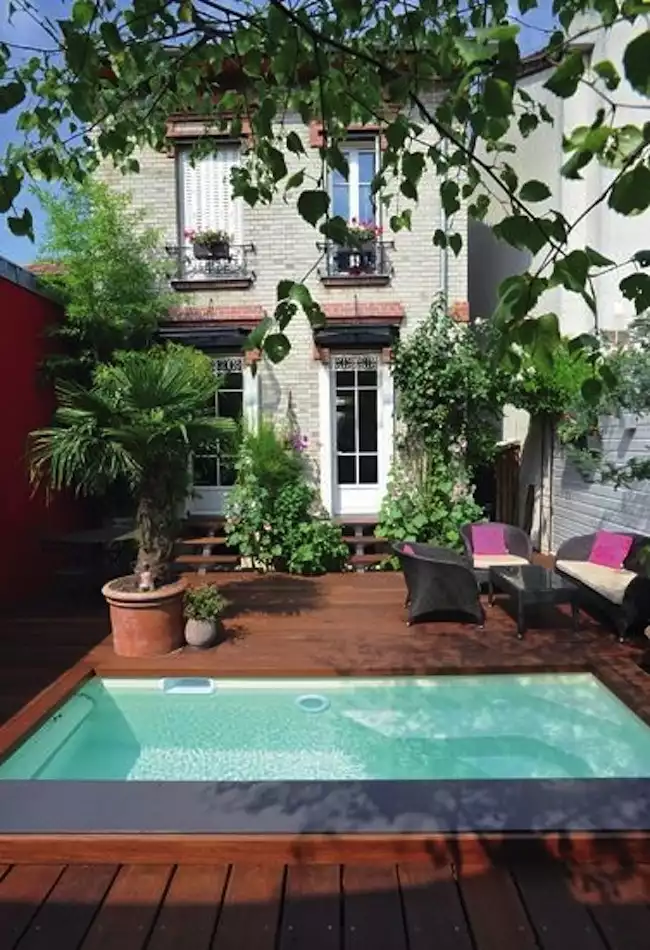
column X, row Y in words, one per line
column 202, row 633
column 146, row 623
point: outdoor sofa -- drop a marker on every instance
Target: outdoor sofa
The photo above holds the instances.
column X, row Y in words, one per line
column 438, row 580
column 620, row 589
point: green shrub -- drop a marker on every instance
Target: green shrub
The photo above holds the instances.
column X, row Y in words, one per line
column 204, row 603
column 273, row 513
column 428, row 506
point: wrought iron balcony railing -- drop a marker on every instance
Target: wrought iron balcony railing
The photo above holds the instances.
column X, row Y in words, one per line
column 192, row 269
column 367, row 260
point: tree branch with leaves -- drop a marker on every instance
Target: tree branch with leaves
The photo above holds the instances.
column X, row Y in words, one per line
column 110, row 76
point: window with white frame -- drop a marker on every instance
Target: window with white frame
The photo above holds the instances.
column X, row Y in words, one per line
column 353, row 199
column 206, row 193
column 218, row 470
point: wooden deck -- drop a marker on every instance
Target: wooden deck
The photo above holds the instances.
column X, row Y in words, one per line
column 325, row 907
column 337, row 625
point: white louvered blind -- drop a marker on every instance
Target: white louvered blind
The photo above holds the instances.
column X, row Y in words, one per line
column 207, row 193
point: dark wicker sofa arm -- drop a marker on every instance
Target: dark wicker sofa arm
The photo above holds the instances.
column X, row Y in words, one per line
column 576, row 549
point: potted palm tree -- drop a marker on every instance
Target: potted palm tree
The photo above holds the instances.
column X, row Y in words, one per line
column 140, row 421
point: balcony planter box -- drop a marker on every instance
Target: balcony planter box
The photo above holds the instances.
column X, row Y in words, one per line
column 219, row 251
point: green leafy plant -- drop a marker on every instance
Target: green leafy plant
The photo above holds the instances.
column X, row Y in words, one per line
column 273, row 513
column 107, row 271
column 551, row 387
column 450, row 392
column 427, row 502
column 205, row 602
column 140, row 421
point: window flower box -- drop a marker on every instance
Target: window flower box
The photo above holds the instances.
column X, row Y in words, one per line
column 209, row 245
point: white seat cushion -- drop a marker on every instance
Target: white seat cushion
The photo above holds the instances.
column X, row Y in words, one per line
column 606, row 581
column 483, row 561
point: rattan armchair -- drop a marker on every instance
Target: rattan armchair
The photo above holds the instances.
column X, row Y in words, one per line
column 438, row 580
column 517, row 542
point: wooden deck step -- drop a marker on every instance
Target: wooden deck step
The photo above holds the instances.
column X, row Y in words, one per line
column 203, row 541
column 207, row 560
column 364, row 539
column 366, row 520
column 366, row 560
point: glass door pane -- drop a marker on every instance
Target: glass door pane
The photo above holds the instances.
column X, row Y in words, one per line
column 218, row 470
column 356, row 404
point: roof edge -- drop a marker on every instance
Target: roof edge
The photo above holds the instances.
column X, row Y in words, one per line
column 22, row 277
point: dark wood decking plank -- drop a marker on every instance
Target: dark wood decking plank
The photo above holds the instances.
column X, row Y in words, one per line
column 559, row 920
column 251, row 909
column 617, row 899
column 192, row 904
column 495, row 913
column 22, row 891
column 130, row 908
column 311, row 918
column 432, row 908
column 3, row 870
column 64, row 918
column 372, row 908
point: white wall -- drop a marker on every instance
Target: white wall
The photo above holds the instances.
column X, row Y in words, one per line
column 579, row 507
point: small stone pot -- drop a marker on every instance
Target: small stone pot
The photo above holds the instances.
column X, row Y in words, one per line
column 203, row 633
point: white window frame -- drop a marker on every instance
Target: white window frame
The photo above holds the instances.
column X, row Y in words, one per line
column 211, row 499
column 351, row 150
column 235, row 224
column 353, row 500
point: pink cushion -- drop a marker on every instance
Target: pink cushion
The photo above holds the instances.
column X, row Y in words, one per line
column 407, row 549
column 610, row 549
column 488, row 539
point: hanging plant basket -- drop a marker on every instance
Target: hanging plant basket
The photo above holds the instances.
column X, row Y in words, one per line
column 215, row 251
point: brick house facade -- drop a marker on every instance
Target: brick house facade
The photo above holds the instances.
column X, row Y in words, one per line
column 337, row 380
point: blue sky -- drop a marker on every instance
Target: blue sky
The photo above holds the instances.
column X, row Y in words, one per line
column 23, row 30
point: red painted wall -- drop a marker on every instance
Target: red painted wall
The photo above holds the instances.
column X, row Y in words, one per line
column 25, row 404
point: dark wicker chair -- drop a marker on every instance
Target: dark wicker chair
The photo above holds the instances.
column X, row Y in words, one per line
column 517, row 542
column 438, row 581
column 633, row 614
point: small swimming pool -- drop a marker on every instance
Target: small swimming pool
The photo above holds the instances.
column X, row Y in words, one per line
column 490, row 727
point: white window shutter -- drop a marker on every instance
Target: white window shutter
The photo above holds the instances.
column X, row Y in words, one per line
column 207, row 198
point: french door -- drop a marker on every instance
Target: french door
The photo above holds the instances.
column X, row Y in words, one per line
column 237, row 398
column 360, row 419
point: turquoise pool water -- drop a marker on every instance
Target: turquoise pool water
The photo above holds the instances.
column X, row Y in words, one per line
column 438, row 727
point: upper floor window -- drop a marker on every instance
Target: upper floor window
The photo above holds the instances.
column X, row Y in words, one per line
column 206, row 204
column 353, row 199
